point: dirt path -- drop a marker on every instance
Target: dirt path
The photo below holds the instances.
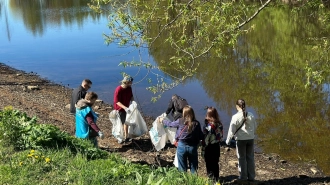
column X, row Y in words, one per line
column 48, row 102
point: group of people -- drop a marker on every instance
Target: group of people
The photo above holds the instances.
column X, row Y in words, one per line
column 190, row 132
column 81, row 107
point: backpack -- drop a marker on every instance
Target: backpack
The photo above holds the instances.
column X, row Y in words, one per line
column 179, row 103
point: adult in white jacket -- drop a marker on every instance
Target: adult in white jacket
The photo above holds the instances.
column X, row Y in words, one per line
column 243, row 127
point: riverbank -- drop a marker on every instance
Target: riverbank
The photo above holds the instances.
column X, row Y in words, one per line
column 39, row 97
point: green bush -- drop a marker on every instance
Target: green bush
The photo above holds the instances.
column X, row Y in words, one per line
column 22, row 132
column 58, row 158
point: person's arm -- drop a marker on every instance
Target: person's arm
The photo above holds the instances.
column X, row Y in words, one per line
column 170, row 107
column 121, row 105
column 231, row 130
column 171, row 123
column 90, row 121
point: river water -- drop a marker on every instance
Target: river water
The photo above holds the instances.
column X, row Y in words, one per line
column 62, row 41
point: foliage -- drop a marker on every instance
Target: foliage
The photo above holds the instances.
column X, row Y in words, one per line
column 63, row 167
column 23, row 132
column 190, row 28
column 34, row 153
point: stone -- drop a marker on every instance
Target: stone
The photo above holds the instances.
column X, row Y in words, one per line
column 314, row 170
column 283, row 161
column 24, row 88
column 33, row 87
column 68, row 106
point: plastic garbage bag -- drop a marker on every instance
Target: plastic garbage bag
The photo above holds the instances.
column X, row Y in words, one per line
column 136, row 124
column 117, row 126
column 170, row 133
column 176, row 162
column 158, row 133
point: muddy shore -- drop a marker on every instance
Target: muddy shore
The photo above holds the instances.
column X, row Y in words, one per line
column 39, row 97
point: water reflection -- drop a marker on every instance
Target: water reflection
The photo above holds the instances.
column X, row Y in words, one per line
column 37, row 14
column 268, row 69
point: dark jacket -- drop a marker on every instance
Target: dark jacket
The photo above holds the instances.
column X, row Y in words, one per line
column 77, row 94
column 171, row 108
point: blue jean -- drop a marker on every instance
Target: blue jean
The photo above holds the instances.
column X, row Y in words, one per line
column 187, row 154
column 245, row 154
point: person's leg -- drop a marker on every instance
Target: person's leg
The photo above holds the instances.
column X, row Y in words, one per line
column 241, row 154
column 209, row 161
column 215, row 161
column 250, row 159
column 94, row 141
column 193, row 158
column 212, row 155
column 126, row 131
column 182, row 156
column 123, row 120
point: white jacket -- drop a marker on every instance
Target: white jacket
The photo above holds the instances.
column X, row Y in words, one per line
column 246, row 132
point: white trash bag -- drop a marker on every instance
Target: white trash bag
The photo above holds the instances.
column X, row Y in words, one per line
column 176, row 162
column 117, row 126
column 136, row 124
column 158, row 141
column 170, row 131
column 158, row 134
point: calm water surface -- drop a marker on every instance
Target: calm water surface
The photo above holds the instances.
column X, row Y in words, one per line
column 62, row 41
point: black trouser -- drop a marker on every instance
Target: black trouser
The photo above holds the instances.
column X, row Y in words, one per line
column 212, row 157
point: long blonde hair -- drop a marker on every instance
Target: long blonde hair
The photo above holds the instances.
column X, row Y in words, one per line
column 188, row 117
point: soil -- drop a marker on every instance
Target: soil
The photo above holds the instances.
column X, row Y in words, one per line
column 39, row 97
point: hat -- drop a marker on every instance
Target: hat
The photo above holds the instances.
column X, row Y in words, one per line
column 127, row 79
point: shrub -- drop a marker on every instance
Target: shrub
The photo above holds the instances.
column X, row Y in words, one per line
column 22, row 132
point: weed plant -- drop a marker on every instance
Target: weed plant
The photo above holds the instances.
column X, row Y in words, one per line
column 33, row 153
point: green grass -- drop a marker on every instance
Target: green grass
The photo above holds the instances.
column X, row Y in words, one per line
column 32, row 153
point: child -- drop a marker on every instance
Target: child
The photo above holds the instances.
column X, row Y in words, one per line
column 86, row 127
column 190, row 135
column 213, row 133
column 243, row 126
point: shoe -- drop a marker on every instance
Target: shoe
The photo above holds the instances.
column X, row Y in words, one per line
column 128, row 140
column 240, row 181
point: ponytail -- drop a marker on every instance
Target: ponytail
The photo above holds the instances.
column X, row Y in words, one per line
column 241, row 104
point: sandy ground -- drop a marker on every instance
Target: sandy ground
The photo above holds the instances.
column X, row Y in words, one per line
column 49, row 103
